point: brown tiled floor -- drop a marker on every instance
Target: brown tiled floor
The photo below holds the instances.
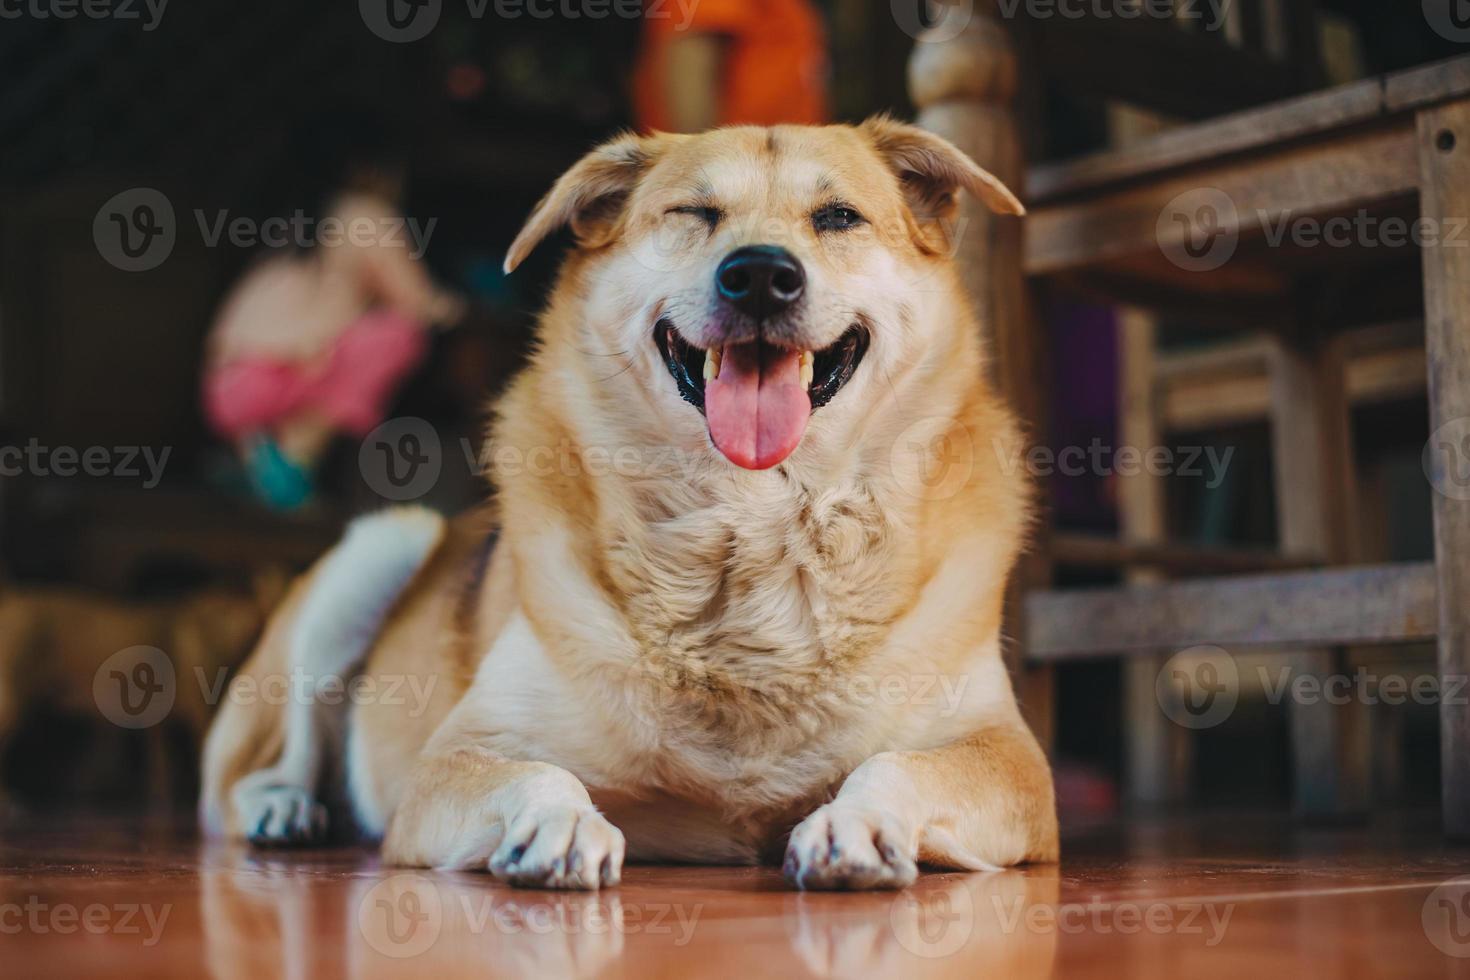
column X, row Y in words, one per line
column 1228, row 897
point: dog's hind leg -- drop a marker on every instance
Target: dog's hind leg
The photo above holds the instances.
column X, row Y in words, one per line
column 351, row 594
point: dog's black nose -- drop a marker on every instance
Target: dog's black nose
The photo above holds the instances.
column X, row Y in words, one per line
column 760, row 280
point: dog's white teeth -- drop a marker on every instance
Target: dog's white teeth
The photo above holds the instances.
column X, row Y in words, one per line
column 808, row 368
column 711, row 364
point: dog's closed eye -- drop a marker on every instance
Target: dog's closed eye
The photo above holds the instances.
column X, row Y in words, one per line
column 836, row 217
column 709, row 214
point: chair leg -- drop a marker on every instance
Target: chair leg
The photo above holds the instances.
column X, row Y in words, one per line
column 1158, row 752
column 1312, row 456
column 1444, row 162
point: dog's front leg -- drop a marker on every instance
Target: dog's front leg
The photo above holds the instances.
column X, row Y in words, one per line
column 467, row 806
column 528, row 823
column 983, row 802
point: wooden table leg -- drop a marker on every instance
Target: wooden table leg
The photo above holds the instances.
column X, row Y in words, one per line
column 1444, row 160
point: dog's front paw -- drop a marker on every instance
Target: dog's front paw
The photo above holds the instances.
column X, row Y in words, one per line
column 841, row 846
column 559, row 846
column 275, row 814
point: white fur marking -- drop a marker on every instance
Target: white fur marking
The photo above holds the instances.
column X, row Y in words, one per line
column 356, row 586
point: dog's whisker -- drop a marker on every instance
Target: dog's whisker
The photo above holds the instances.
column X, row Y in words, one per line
column 617, row 374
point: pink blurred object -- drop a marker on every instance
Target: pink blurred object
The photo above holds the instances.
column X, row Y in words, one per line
column 351, row 386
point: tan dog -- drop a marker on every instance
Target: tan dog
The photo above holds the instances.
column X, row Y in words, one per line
column 754, row 529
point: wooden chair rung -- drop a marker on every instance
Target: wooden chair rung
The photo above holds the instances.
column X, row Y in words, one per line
column 1367, row 604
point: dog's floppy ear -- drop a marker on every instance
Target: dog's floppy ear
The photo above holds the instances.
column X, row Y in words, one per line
column 590, row 196
column 932, row 170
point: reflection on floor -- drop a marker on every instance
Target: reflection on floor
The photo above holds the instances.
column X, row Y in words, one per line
column 1239, row 897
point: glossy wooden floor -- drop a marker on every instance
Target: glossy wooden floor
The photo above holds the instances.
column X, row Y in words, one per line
column 1237, row 897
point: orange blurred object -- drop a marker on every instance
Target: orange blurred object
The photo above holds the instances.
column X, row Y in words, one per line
column 775, row 65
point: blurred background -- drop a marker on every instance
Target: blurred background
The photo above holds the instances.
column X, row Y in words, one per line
column 144, row 152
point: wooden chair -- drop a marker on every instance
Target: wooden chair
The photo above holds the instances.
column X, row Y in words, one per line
column 1134, row 226
column 1166, row 397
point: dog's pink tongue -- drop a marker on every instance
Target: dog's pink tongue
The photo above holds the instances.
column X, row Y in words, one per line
column 757, row 408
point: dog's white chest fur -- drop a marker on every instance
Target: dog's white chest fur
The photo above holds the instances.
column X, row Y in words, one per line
column 755, row 665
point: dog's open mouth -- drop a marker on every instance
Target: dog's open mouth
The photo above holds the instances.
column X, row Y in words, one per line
column 757, row 396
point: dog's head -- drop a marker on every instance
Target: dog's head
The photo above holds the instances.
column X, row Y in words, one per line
column 757, row 275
